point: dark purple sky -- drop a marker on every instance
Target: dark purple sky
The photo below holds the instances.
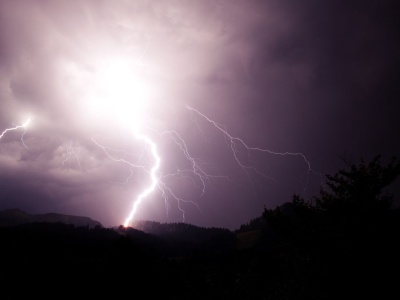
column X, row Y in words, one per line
column 313, row 77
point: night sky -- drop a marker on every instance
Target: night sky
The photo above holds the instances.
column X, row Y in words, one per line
column 315, row 79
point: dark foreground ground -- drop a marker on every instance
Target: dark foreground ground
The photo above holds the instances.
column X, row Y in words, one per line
column 53, row 261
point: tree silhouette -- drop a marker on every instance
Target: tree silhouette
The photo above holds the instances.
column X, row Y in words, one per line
column 348, row 235
column 359, row 189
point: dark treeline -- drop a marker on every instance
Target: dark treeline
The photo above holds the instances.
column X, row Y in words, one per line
column 343, row 243
column 182, row 239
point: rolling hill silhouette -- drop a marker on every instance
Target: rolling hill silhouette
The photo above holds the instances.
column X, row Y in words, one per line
column 12, row 217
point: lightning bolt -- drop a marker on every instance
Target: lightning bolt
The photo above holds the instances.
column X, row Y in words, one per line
column 158, row 180
column 24, row 126
column 234, row 143
column 71, row 154
column 153, row 176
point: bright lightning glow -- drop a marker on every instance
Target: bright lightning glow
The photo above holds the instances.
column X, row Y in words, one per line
column 119, row 90
column 24, row 126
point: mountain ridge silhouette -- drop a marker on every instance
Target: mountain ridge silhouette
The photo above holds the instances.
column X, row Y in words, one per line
column 12, row 217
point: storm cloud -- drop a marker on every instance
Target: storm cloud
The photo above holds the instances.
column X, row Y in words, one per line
column 310, row 77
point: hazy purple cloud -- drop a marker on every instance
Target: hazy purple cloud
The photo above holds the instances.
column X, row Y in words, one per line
column 314, row 77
